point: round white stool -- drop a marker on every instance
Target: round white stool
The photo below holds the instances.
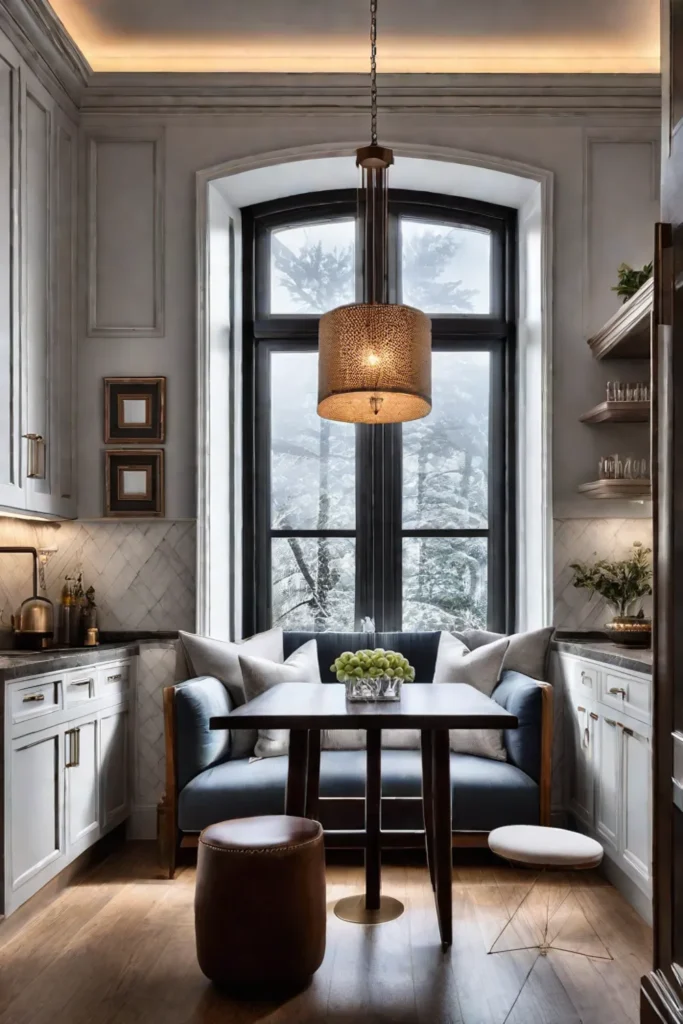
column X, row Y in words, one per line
column 537, row 846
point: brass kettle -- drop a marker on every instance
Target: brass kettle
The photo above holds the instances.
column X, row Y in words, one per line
column 34, row 627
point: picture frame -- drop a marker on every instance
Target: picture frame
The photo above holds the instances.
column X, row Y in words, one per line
column 134, row 410
column 134, row 483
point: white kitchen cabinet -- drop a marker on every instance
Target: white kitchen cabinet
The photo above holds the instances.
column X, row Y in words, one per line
column 115, row 766
column 82, row 777
column 36, row 839
column 608, row 777
column 38, row 168
column 68, row 770
column 637, row 813
column 581, row 750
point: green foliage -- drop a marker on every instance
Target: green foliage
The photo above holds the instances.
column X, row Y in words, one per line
column 372, row 664
column 620, row 583
column 631, row 280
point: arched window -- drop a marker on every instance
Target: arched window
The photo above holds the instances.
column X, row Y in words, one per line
column 410, row 525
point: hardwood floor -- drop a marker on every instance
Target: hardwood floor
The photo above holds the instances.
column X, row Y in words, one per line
column 119, row 947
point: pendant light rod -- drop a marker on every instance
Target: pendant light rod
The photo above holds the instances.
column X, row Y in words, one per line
column 373, row 72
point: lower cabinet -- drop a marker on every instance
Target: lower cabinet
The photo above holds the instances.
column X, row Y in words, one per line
column 66, row 784
column 115, row 766
column 608, row 781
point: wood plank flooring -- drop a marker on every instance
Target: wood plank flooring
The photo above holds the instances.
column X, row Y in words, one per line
column 118, row 948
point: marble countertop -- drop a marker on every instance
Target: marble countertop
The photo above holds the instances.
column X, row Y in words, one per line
column 18, row 664
column 634, row 659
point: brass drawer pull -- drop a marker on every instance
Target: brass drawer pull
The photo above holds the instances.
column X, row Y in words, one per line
column 33, row 698
column 618, row 690
column 627, row 731
column 579, row 708
column 610, row 721
column 74, row 748
column 82, row 682
column 594, row 716
column 114, row 679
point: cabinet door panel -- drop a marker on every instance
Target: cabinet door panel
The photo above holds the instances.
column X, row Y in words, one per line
column 36, row 291
column 82, row 785
column 11, row 482
column 114, row 765
column 636, row 827
column 35, row 809
column 581, row 755
column 608, row 742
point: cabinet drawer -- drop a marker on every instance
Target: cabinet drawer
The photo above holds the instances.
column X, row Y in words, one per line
column 581, row 677
column 79, row 688
column 113, row 681
column 627, row 693
column 35, row 698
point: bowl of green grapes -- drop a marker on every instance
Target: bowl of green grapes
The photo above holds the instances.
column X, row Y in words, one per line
column 373, row 675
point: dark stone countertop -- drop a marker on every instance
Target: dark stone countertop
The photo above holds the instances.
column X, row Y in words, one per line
column 634, row 659
column 17, row 664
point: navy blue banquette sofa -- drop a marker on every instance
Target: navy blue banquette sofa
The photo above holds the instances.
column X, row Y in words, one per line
column 204, row 784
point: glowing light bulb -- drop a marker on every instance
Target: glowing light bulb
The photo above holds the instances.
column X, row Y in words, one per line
column 373, row 359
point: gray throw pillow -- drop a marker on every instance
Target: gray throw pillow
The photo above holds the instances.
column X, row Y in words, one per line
column 220, row 659
column 527, row 653
column 355, row 739
column 260, row 675
column 481, row 669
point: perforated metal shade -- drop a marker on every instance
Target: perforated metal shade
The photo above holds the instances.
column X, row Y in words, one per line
column 374, row 364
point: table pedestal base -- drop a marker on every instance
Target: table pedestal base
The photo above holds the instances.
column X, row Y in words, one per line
column 353, row 909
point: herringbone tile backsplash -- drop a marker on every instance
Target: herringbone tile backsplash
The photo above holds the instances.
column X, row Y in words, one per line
column 143, row 573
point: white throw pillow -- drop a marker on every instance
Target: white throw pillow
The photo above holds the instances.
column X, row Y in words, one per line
column 260, row 675
column 480, row 668
column 219, row 658
column 527, row 653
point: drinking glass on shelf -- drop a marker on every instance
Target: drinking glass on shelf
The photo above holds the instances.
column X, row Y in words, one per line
column 620, row 391
column 610, row 391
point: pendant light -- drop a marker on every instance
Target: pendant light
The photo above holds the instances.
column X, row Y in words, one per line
column 374, row 356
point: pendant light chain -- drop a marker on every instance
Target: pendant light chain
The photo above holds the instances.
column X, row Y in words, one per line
column 373, row 72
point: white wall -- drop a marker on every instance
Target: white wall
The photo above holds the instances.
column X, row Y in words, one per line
column 605, row 206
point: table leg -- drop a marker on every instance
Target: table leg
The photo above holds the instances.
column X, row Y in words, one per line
column 295, row 797
column 427, row 800
column 313, row 774
column 443, row 852
column 373, row 800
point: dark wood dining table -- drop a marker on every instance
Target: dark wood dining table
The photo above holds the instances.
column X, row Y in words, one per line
column 306, row 709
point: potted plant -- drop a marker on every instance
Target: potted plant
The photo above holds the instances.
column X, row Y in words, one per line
column 630, row 280
column 373, row 675
column 623, row 584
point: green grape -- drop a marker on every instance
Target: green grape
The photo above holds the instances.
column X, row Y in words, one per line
column 389, row 673
column 341, row 676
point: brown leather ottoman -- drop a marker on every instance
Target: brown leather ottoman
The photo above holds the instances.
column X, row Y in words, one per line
column 260, row 913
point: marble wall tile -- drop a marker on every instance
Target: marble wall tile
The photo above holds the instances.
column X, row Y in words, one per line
column 579, row 540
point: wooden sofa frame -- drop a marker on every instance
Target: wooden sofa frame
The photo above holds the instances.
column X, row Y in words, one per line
column 171, row 840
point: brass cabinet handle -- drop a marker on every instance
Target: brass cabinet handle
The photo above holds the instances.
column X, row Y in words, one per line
column 36, row 456
column 114, row 679
column 627, row 731
column 610, row 721
column 82, row 682
column 579, row 708
column 594, row 716
column 33, row 698
column 74, row 748
column 618, row 689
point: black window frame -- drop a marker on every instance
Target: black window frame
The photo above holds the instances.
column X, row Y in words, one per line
column 379, row 593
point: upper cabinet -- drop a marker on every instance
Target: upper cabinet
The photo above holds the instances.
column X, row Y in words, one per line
column 38, row 168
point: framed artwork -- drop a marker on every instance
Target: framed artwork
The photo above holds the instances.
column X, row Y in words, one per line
column 134, row 410
column 134, row 482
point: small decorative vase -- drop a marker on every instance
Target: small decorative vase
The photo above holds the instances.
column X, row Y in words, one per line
column 629, row 631
column 379, row 688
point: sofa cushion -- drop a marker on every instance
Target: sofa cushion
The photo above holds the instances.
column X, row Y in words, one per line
column 419, row 648
column 220, row 659
column 527, row 653
column 522, row 697
column 197, row 746
column 259, row 675
column 486, row 794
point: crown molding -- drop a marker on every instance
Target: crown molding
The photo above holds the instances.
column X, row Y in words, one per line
column 525, row 95
column 41, row 39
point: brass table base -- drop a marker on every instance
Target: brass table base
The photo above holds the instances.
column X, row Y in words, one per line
column 352, row 909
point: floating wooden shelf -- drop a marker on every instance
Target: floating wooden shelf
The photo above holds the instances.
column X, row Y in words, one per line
column 631, row 490
column 627, row 334
column 618, row 412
